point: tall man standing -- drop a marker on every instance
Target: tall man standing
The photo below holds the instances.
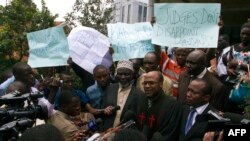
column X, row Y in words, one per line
column 151, row 62
column 194, row 119
column 121, row 94
column 196, row 68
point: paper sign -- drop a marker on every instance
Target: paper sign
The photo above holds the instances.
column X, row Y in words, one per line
column 48, row 47
column 130, row 40
column 89, row 48
column 192, row 25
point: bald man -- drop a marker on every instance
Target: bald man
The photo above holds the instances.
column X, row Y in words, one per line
column 196, row 68
column 159, row 115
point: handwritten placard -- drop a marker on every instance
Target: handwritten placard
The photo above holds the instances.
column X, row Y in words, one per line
column 89, row 48
column 186, row 25
column 130, row 40
column 48, row 47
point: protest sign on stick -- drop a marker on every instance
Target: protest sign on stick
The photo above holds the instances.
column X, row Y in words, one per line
column 89, row 48
column 48, row 47
column 130, row 40
column 192, row 25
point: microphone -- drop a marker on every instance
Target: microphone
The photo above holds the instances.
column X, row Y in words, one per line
column 127, row 120
column 94, row 137
column 106, row 135
column 114, row 108
column 217, row 116
column 93, row 125
column 236, row 118
column 128, row 115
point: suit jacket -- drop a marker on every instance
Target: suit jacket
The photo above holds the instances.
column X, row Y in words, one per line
column 218, row 97
column 198, row 130
column 110, row 99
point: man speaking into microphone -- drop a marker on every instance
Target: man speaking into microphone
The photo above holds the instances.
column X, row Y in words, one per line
column 121, row 94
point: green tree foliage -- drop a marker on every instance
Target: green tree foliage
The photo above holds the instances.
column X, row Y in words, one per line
column 18, row 19
column 91, row 13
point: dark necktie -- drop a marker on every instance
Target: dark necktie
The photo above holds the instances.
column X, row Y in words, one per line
column 189, row 120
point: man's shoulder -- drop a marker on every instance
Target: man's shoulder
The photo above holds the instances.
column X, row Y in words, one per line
column 113, row 86
column 210, row 77
column 169, row 100
column 92, row 88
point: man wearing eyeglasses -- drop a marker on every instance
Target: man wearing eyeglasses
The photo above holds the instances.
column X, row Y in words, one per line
column 159, row 115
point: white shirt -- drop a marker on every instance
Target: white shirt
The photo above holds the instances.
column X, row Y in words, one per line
column 199, row 111
column 221, row 68
column 5, row 84
column 201, row 75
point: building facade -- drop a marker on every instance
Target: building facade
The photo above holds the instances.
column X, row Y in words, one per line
column 130, row 11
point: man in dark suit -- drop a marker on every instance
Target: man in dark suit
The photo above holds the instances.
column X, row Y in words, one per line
column 121, row 94
column 196, row 68
column 195, row 114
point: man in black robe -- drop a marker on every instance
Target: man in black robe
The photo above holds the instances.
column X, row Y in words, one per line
column 158, row 115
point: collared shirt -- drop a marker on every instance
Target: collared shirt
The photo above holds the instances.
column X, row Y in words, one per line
column 201, row 75
column 95, row 93
column 5, row 84
column 199, row 111
column 121, row 100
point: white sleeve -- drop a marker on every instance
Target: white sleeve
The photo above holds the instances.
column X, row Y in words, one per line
column 45, row 103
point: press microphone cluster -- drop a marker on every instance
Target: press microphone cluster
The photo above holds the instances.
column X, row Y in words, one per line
column 93, row 125
column 126, row 122
column 106, row 135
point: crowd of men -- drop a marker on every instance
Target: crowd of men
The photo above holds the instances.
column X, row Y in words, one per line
column 169, row 96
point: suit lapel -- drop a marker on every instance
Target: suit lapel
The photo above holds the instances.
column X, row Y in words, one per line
column 198, row 127
column 114, row 99
column 128, row 101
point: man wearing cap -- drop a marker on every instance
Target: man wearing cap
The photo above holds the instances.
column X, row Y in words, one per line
column 121, row 94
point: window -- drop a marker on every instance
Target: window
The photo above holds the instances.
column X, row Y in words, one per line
column 139, row 13
column 123, row 9
column 144, row 14
column 128, row 18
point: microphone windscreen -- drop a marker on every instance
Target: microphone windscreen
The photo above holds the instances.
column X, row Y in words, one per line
column 116, row 108
column 235, row 118
column 98, row 121
column 128, row 115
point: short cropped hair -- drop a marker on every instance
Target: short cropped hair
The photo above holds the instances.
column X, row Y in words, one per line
column 65, row 98
column 245, row 25
column 207, row 90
